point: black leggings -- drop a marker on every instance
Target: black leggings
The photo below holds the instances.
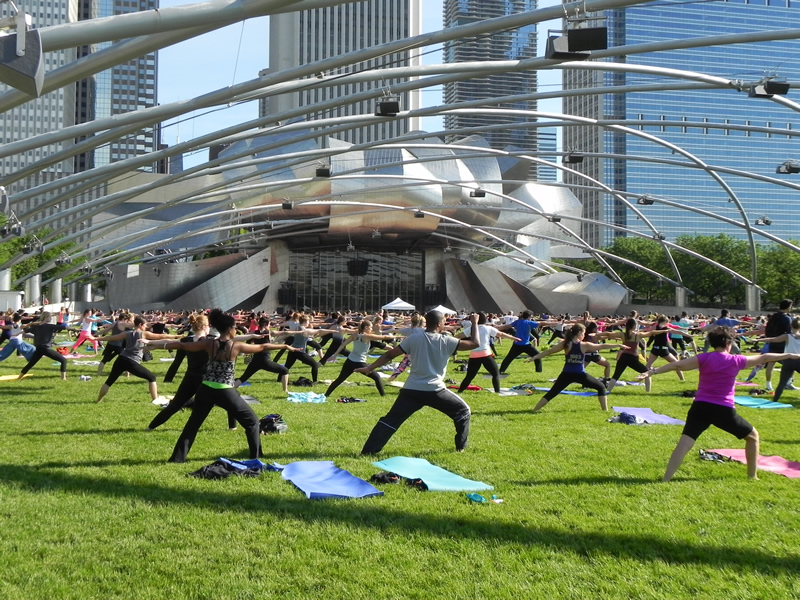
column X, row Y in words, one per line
column 347, row 369
column 565, row 379
column 109, row 352
column 229, row 399
column 410, row 401
column 788, row 369
column 123, row 364
column 515, row 351
column 474, row 364
column 625, row 361
column 335, row 344
column 49, row 353
column 262, row 364
column 304, row 358
column 186, row 391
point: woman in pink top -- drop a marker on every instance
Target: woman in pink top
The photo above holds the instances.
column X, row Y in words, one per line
column 713, row 403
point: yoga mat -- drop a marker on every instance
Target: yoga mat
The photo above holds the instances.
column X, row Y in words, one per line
column 747, row 383
column 510, row 392
column 88, row 363
column 319, row 479
column 751, row 402
column 568, row 393
column 773, row 464
column 649, row 416
column 306, row 397
column 436, row 478
column 250, row 399
column 13, row 377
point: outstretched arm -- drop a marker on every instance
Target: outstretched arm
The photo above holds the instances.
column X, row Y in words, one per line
column 760, row 359
column 687, row 364
column 384, row 359
column 552, row 350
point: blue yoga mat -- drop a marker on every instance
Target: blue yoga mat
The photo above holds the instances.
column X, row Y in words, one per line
column 319, row 479
column 436, row 478
column 751, row 402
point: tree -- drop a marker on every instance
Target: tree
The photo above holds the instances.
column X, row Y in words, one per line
column 709, row 283
column 779, row 273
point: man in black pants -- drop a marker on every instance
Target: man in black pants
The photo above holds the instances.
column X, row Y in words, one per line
column 425, row 385
column 778, row 324
column 523, row 329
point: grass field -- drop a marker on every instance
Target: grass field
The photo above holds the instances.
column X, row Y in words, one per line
column 91, row 509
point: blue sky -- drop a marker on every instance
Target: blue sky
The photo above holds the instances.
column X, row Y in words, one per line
column 235, row 54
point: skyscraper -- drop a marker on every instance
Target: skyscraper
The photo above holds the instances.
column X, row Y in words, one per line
column 716, row 126
column 517, row 44
column 307, row 36
column 126, row 87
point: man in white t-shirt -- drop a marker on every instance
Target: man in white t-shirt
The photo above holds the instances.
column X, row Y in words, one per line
column 425, row 385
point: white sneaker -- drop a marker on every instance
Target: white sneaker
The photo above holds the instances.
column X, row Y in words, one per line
column 769, row 387
column 790, row 386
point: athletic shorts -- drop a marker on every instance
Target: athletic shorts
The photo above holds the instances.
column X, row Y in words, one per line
column 777, row 347
column 660, row 351
column 704, row 414
column 591, row 358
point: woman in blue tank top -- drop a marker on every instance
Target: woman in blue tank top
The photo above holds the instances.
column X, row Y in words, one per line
column 574, row 371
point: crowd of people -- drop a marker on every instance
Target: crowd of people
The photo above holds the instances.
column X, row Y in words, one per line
column 211, row 340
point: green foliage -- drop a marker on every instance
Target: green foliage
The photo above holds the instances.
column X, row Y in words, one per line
column 92, row 509
column 778, row 269
column 779, row 273
column 13, row 247
column 709, row 283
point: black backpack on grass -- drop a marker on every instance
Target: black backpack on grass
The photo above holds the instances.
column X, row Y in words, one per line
column 273, row 424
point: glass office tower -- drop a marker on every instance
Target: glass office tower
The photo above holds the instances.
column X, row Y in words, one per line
column 126, row 87
column 517, row 44
column 695, row 120
column 307, row 36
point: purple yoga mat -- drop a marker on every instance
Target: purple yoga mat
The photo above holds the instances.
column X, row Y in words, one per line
column 649, row 416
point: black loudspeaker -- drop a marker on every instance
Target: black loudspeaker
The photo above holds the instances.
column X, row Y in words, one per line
column 357, row 267
column 776, row 87
column 25, row 73
column 323, row 171
column 387, row 108
column 558, row 49
column 287, row 296
column 587, row 38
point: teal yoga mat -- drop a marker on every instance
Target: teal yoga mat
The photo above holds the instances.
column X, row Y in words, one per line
column 436, row 478
column 751, row 402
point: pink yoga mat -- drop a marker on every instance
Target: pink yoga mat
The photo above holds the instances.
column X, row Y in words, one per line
column 773, row 464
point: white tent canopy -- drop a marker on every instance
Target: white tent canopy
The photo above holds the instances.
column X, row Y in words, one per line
column 398, row 304
column 444, row 310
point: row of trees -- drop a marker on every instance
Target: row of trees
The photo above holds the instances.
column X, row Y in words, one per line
column 778, row 269
column 14, row 246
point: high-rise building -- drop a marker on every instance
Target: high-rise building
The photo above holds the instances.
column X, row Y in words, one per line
column 516, row 44
column 716, row 126
column 51, row 111
column 303, row 37
column 126, row 87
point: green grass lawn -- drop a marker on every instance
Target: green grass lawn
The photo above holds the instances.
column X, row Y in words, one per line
column 91, row 509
